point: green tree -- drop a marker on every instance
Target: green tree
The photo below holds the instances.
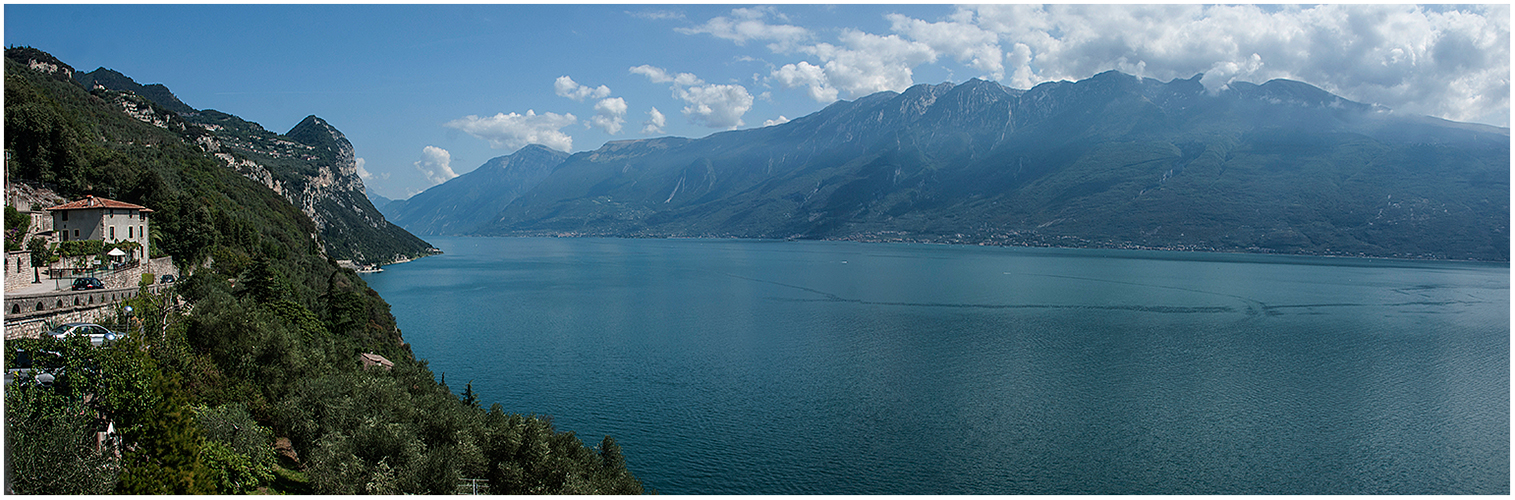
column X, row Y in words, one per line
column 237, row 450
column 50, row 445
column 42, row 253
column 165, row 457
column 16, row 225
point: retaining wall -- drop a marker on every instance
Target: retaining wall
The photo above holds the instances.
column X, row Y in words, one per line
column 25, row 314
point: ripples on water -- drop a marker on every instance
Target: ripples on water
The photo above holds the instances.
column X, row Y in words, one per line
column 733, row 367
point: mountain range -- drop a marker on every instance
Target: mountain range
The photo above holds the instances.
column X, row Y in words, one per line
column 1113, row 161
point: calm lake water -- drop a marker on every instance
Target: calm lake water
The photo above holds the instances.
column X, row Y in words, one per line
column 735, row 367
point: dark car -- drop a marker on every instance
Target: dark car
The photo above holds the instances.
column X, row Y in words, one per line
column 87, row 284
column 98, row 335
column 167, row 278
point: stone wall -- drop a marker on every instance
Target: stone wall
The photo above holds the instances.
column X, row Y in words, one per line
column 35, row 327
column 25, row 314
column 18, row 270
column 131, row 277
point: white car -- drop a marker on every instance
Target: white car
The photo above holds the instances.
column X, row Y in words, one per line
column 98, row 335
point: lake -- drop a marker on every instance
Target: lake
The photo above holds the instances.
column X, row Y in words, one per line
column 759, row 367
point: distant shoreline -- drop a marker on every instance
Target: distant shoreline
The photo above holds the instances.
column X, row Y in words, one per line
column 1084, row 245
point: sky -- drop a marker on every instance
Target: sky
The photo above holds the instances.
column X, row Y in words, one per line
column 428, row 92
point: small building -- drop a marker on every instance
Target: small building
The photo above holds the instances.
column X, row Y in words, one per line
column 95, row 218
column 371, row 360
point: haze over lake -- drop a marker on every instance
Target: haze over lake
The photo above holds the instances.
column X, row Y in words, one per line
column 735, row 367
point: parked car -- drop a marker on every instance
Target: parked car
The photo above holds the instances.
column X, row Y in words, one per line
column 87, row 284
column 98, row 335
column 41, row 367
column 167, row 278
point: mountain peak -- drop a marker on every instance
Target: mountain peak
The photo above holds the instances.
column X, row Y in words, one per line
column 537, row 149
column 316, row 132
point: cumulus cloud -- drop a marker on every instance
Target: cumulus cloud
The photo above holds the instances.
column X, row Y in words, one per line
column 749, row 24
column 779, row 121
column 960, row 38
column 514, row 131
column 659, row 75
column 609, row 115
column 655, row 122
column 716, row 106
column 364, row 174
column 866, row 63
column 811, row 77
column 566, row 87
column 711, row 105
column 1442, row 61
column 436, row 164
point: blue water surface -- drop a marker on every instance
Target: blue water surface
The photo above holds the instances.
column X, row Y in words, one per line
column 736, row 367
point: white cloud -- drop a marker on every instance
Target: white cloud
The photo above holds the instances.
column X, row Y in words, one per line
column 715, row 106
column 809, row 76
column 436, row 164
column 748, row 24
column 780, row 121
column 658, row 75
column 655, row 122
column 514, row 131
column 868, row 63
column 566, row 87
column 964, row 41
column 364, row 174
column 609, row 115
column 1442, row 61
column 657, row 15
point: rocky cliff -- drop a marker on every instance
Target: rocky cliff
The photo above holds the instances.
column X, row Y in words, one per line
column 313, row 166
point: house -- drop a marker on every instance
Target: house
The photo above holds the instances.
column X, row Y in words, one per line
column 95, row 218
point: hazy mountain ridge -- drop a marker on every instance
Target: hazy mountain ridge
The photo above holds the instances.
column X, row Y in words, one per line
column 467, row 201
column 1110, row 161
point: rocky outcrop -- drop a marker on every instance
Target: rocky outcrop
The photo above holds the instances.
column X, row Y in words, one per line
column 313, row 166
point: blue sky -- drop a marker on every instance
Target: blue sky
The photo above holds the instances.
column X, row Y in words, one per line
column 427, row 92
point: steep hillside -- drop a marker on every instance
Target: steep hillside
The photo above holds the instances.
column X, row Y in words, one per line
column 313, row 166
column 466, row 202
column 1111, row 161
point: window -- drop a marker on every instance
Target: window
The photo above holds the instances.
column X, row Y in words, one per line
column 65, row 215
column 129, row 232
column 76, row 234
column 113, row 233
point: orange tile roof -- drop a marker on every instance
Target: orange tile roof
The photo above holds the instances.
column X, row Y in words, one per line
column 93, row 202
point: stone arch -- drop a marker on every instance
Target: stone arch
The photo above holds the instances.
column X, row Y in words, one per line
column 76, row 301
column 15, row 308
column 60, row 304
column 39, row 306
